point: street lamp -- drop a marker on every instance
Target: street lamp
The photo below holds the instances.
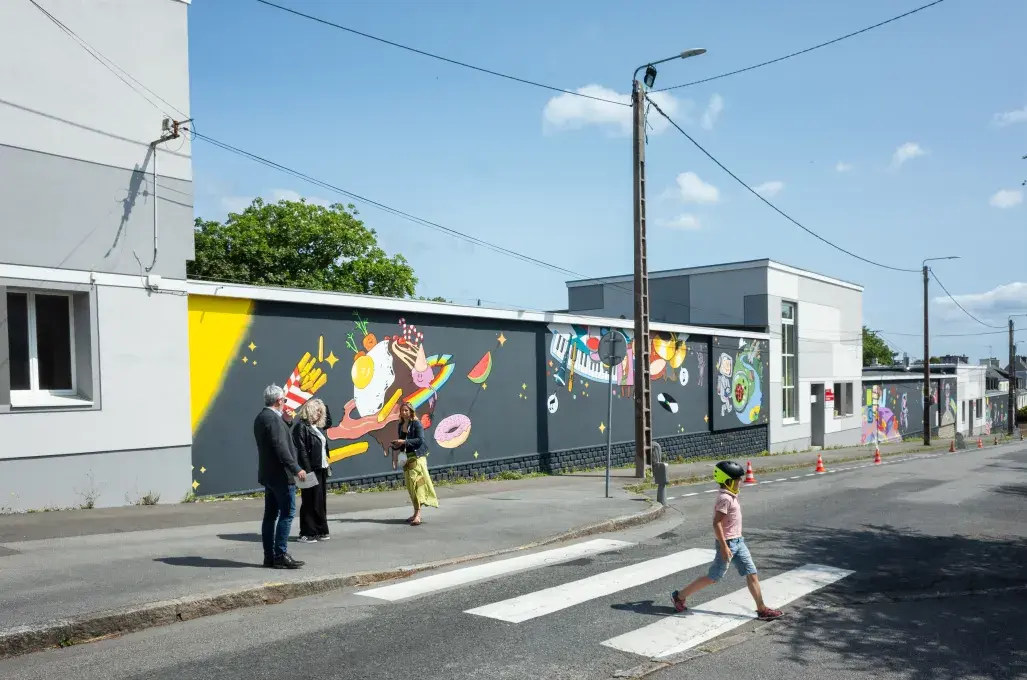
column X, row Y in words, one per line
column 927, row 354
column 643, row 400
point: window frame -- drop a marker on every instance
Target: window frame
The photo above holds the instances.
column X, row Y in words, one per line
column 789, row 367
column 34, row 396
column 850, row 395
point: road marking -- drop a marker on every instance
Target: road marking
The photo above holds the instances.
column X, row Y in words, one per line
column 710, row 490
column 670, row 498
column 782, row 479
column 480, row 572
column 812, row 474
column 542, row 602
column 796, row 477
column 694, row 493
column 675, row 634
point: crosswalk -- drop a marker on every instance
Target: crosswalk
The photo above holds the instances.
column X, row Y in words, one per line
column 669, row 635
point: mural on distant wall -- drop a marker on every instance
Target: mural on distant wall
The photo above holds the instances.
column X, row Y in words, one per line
column 364, row 365
column 996, row 414
column 577, row 401
column 948, row 404
column 739, row 382
column 892, row 410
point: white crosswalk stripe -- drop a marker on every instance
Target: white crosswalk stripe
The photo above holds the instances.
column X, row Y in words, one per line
column 481, row 572
column 542, row 602
column 675, row 634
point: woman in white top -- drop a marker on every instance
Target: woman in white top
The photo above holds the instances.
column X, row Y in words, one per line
column 312, row 456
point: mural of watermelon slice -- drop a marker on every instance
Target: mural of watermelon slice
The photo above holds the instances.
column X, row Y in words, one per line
column 481, row 371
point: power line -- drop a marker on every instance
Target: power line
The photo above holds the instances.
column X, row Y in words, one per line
column 801, row 52
column 771, row 205
column 431, row 55
column 121, row 73
column 956, row 302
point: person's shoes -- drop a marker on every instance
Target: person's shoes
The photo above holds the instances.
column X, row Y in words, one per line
column 769, row 614
column 286, row 562
column 306, row 539
column 324, row 537
column 269, row 562
column 679, row 603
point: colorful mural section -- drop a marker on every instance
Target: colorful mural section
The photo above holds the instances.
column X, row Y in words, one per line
column 578, row 385
column 892, row 411
column 470, row 381
column 740, row 382
column 996, row 414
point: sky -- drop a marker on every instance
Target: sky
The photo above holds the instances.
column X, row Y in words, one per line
column 903, row 143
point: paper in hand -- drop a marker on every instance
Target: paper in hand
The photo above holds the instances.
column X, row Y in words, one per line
column 309, row 482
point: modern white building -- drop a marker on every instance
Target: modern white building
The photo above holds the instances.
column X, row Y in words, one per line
column 96, row 228
column 815, row 324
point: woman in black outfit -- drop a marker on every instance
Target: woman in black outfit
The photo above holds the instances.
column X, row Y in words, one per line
column 311, row 447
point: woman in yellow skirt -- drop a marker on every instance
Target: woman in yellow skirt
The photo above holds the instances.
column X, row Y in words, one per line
column 415, row 470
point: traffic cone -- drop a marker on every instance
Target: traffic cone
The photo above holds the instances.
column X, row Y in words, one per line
column 820, row 464
column 749, row 477
column 877, row 456
column 952, row 446
column 980, row 443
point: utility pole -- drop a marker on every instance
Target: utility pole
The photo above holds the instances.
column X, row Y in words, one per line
column 643, row 396
column 1011, row 408
column 927, row 367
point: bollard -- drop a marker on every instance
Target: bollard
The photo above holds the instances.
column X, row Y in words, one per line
column 660, row 473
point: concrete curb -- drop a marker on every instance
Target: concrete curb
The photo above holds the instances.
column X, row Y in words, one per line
column 91, row 627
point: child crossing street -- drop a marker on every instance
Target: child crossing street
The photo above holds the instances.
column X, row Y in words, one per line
column 731, row 548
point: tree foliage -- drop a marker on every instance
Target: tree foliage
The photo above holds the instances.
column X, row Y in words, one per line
column 874, row 348
column 297, row 244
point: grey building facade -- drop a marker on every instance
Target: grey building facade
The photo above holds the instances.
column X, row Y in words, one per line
column 96, row 227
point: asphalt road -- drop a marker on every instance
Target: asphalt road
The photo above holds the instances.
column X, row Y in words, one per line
column 937, row 548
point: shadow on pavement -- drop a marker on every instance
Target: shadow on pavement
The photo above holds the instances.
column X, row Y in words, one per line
column 211, row 563
column 648, row 607
column 245, row 538
column 368, row 520
column 1013, row 490
column 919, row 606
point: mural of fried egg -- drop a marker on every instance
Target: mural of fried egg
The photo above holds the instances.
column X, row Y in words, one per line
column 683, row 376
column 370, row 391
column 552, row 403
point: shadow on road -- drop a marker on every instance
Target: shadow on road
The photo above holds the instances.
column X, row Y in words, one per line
column 919, row 606
column 368, row 520
column 245, row 538
column 210, row 563
column 648, row 607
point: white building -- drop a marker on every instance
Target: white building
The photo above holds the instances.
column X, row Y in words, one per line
column 94, row 369
column 970, row 390
column 815, row 323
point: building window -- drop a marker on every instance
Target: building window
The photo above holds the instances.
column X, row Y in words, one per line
column 42, row 354
column 980, row 408
column 789, row 350
column 964, row 411
column 848, row 399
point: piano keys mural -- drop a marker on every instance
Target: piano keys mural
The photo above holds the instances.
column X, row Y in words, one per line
column 577, row 384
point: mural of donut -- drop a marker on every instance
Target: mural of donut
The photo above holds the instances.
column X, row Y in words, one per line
column 452, row 431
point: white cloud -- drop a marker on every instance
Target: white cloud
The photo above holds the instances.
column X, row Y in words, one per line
column 691, row 189
column 843, row 167
column 683, row 222
column 568, row 112
column 236, row 204
column 770, row 189
column 907, row 151
column 1009, row 117
column 994, row 305
column 712, row 113
column 1006, row 198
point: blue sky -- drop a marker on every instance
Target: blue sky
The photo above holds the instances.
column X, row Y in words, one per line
column 550, row 176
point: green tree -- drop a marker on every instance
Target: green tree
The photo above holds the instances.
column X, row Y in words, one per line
column 874, row 348
column 296, row 244
column 432, row 299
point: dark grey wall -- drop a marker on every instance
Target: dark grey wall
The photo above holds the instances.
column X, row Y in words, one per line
column 72, row 214
column 585, row 298
column 669, row 300
column 5, row 356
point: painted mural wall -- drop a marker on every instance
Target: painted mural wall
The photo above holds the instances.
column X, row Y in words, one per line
column 996, row 414
column 894, row 409
column 740, row 382
column 483, row 389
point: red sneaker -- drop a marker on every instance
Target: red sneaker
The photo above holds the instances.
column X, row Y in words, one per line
column 769, row 614
column 679, row 604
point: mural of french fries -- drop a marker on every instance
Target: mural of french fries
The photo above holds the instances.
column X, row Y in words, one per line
column 304, row 382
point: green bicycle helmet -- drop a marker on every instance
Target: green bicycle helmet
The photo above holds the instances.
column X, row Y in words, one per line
column 726, row 471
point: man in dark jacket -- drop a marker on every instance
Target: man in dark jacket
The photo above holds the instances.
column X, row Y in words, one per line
column 276, row 467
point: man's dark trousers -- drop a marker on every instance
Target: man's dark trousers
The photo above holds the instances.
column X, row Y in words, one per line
column 279, row 510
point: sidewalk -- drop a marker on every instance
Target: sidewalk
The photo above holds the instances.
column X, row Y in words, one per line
column 67, row 564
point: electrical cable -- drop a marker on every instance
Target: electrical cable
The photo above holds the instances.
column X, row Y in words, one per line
column 771, row 205
column 801, row 52
column 423, row 53
column 956, row 302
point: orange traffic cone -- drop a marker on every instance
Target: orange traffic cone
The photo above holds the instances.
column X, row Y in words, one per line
column 820, row 464
column 877, row 456
column 749, row 477
column 980, row 443
column 952, row 446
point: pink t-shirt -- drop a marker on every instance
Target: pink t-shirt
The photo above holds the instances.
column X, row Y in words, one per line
column 727, row 505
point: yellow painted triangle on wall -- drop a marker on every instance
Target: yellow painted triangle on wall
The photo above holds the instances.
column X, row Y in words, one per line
column 217, row 328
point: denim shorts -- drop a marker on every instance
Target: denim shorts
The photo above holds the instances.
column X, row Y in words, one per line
column 740, row 557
